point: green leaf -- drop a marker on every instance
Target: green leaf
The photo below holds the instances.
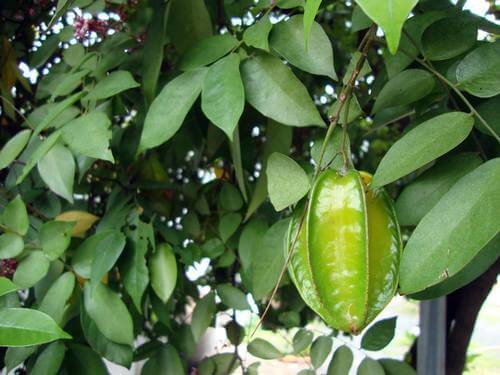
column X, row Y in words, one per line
column 449, row 37
column 106, row 253
column 84, row 255
column 191, row 224
column 221, row 364
column 228, row 224
column 476, row 267
column 223, row 95
column 134, row 268
column 189, row 21
column 363, row 71
column 202, row 315
column 31, row 269
column 257, row 35
column 206, row 51
column 230, row 198
column 370, row 366
column 49, row 360
column 45, row 51
column 405, row 88
column 56, row 114
column 154, row 46
column 112, row 85
column 379, row 335
column 25, row 327
column 454, row 231
column 413, row 30
column 232, row 297
column 426, row 190
column 301, row 340
column 341, row 361
column 289, row 319
column 289, row 4
column 15, row 216
column 235, row 333
column 248, row 242
column 359, row 19
column 253, row 369
column 116, row 353
column 109, row 313
column 280, row 171
column 168, row 110
column 390, row 16
column 332, row 157
column 55, row 300
column 424, row 143
column 479, row 72
column 278, row 139
column 310, row 10
column 165, row 361
column 36, row 154
column 55, row 237
column 89, row 135
column 69, row 83
column 235, row 149
column 490, row 112
column 351, row 109
column 395, row 367
column 74, row 54
column 11, row 245
column 15, row 356
column 81, row 360
column 268, row 259
column 57, row 169
column 62, row 7
column 288, row 40
column 13, row 147
column 6, row 286
column 263, row 349
column 272, row 89
column 320, row 350
column 163, row 271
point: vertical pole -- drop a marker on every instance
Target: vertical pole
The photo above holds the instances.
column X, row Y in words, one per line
column 431, row 349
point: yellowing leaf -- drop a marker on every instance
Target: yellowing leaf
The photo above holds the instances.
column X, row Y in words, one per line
column 83, row 220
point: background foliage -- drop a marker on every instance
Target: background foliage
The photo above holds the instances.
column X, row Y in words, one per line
column 142, row 138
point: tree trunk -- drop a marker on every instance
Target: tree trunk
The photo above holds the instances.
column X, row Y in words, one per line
column 463, row 308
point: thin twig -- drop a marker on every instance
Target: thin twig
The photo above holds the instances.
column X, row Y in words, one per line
column 453, row 87
column 17, row 111
column 461, row 96
column 391, row 121
column 461, row 3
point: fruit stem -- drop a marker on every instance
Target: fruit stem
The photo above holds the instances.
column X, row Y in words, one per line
column 346, row 93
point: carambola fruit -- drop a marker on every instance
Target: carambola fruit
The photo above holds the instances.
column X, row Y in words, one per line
column 345, row 262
